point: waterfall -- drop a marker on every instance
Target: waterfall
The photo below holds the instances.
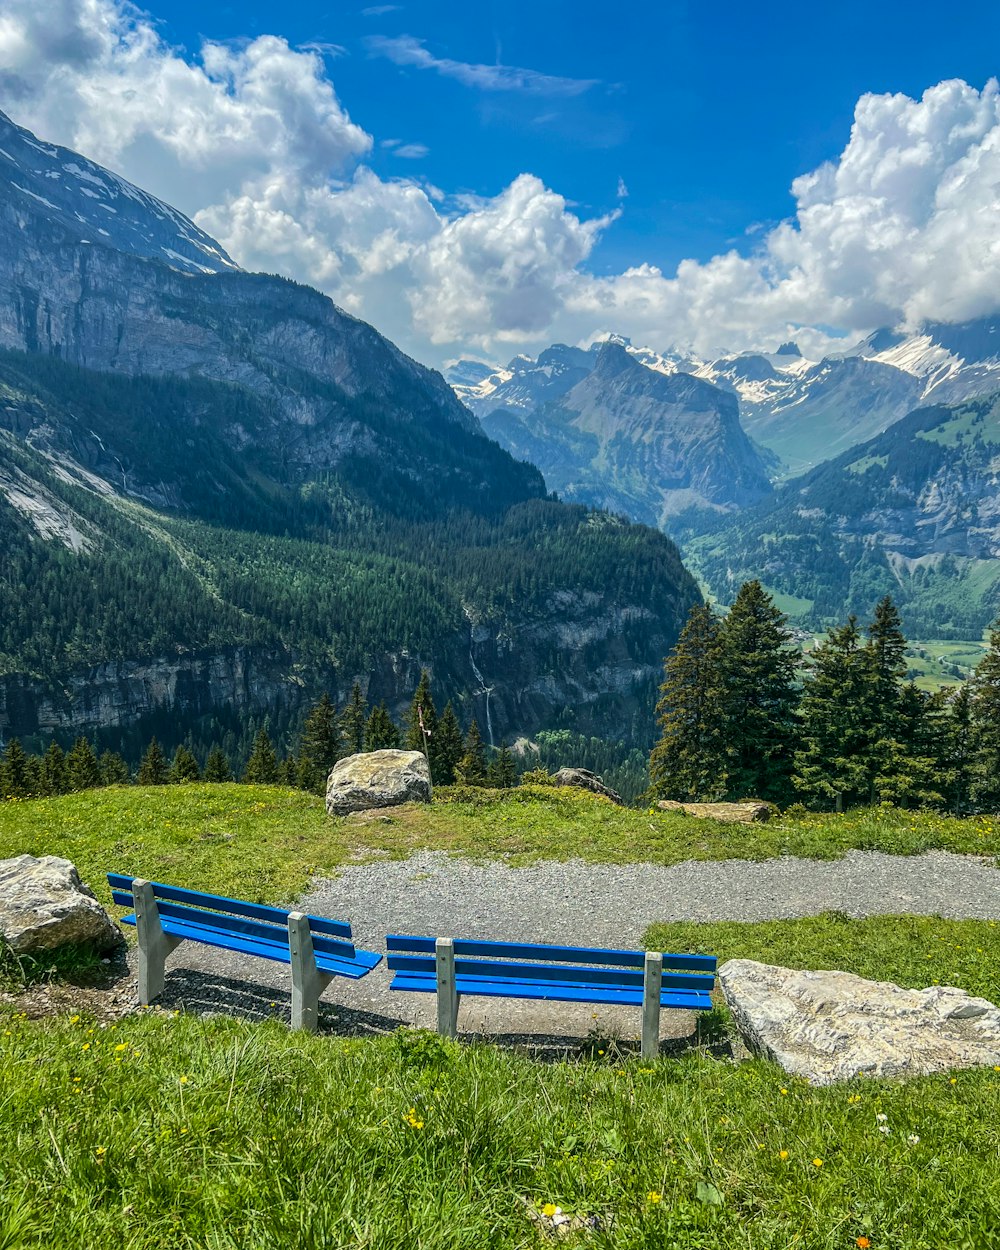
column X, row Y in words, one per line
column 483, row 688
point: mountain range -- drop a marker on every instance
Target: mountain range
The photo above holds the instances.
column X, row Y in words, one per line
column 221, row 492
column 753, row 436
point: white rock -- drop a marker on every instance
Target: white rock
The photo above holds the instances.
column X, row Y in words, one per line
column 377, row 779
column 832, row 1026
column 44, row 905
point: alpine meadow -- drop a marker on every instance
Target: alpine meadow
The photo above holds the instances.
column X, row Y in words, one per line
column 499, row 627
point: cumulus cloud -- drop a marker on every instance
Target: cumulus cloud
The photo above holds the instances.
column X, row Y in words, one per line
column 252, row 140
column 407, row 51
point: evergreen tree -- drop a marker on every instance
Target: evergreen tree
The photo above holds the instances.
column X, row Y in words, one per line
column 471, row 768
column 450, row 747
column 217, row 767
column 262, row 766
column 502, row 771
column 184, row 767
column 960, row 750
column 913, row 765
column 422, row 724
column 381, row 732
column 886, row 752
column 352, row 721
column 985, row 717
column 319, row 745
column 759, row 697
column 14, row 772
column 82, row 769
column 54, row 776
column 33, row 779
column 114, row 770
column 288, row 771
column 153, row 768
column 689, row 761
column 831, row 764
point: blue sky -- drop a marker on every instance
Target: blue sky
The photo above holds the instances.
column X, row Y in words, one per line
column 706, row 112
column 481, row 179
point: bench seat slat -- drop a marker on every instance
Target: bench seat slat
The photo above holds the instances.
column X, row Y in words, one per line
column 362, row 962
column 552, row 991
column 553, row 954
column 234, row 906
column 624, row 978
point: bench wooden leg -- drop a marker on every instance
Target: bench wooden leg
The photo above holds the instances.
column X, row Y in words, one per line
column 447, row 994
column 307, row 980
column 652, row 982
column 154, row 944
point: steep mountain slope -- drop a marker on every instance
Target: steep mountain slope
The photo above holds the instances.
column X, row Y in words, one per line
column 914, row 512
column 806, row 412
column 608, row 430
column 218, row 490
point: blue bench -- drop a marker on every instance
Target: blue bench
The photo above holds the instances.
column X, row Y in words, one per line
column 650, row 979
column 165, row 915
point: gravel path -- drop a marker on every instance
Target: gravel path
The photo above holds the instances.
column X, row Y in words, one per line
column 573, row 903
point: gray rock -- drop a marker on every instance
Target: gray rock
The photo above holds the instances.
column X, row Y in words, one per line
column 832, row 1026
column 376, row 779
column 43, row 905
column 586, row 780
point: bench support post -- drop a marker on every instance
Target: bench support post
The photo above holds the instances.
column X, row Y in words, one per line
column 652, row 982
column 154, row 944
column 447, row 994
column 308, row 982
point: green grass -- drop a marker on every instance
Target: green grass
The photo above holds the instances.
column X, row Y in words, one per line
column 174, row 1131
column 914, row 951
column 264, row 843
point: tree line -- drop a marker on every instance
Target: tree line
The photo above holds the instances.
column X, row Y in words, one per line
column 741, row 714
column 328, row 734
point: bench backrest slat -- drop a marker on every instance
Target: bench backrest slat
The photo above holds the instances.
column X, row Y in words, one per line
column 550, row 954
column 494, row 970
column 233, row 906
column 278, row 934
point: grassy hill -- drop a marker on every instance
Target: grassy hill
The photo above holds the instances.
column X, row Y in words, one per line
column 172, row 1130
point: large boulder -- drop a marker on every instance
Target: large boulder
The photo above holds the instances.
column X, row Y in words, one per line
column 832, row 1026
column 377, row 779
column 43, row 905
column 586, row 780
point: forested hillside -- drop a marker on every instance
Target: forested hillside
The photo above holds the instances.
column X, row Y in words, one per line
column 149, row 562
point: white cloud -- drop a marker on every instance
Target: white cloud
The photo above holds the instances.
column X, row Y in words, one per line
column 407, row 51
column 622, row 189
column 411, row 151
column 252, row 140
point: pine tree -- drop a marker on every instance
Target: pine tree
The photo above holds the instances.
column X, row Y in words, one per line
column 114, row 770
column 54, row 776
column 184, row 767
column 381, row 732
column 759, row 697
column 352, row 721
column 262, row 766
column 217, row 767
column 319, row 745
column 450, row 748
column 33, row 780
column 288, row 771
column 960, row 748
column 689, row 761
column 422, row 724
column 502, row 771
column 82, row 769
column 471, row 768
column 831, row 766
column 14, row 772
column 153, row 768
column 985, row 718
column 885, row 654
column 914, row 769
